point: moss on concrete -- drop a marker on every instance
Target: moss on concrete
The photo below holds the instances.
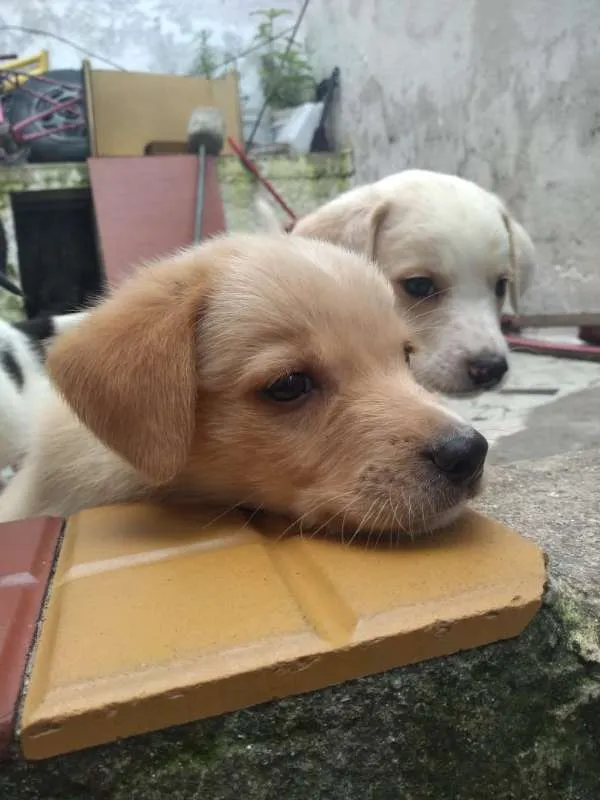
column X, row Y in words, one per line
column 304, row 182
column 31, row 177
column 581, row 624
column 517, row 720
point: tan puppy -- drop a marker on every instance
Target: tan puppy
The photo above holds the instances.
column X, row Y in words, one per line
column 451, row 250
column 252, row 370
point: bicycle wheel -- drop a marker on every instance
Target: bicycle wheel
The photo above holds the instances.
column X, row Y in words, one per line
column 55, row 145
column 11, row 152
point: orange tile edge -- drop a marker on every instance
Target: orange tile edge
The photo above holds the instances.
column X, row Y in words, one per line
column 44, row 738
column 45, row 732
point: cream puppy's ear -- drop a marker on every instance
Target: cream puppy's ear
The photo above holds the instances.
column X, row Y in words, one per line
column 522, row 259
column 356, row 227
column 129, row 370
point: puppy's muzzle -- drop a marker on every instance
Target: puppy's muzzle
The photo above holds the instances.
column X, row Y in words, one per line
column 460, row 457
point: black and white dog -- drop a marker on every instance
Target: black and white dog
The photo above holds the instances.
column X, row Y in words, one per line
column 23, row 381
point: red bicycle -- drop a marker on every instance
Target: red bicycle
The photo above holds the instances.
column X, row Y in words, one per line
column 42, row 115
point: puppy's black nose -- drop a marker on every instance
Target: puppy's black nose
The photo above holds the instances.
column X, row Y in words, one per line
column 487, row 370
column 460, row 457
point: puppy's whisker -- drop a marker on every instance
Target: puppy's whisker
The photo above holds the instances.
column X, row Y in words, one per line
column 316, row 531
column 373, row 527
column 430, row 328
column 400, row 529
column 343, row 525
column 428, row 311
column 299, row 520
column 360, row 524
column 431, row 324
column 235, row 507
column 424, row 514
column 410, row 512
column 422, row 300
column 256, row 511
column 394, row 510
column 332, row 517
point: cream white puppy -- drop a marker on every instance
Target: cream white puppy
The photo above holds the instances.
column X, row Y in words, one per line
column 452, row 251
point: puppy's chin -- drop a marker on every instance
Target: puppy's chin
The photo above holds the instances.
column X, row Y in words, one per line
column 441, row 380
column 445, row 519
column 477, row 486
column 346, row 530
column 349, row 534
column 451, row 383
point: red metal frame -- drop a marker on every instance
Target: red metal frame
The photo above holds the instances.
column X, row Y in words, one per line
column 527, row 344
column 18, row 131
column 253, row 170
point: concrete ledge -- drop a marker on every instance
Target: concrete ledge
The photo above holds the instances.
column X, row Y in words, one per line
column 314, row 166
column 517, row 720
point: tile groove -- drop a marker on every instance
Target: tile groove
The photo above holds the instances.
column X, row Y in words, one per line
column 322, row 605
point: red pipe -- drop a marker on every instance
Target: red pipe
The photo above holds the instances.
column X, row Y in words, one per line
column 253, row 169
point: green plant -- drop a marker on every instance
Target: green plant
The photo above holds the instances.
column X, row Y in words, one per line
column 285, row 73
column 206, row 60
column 233, row 52
column 212, row 62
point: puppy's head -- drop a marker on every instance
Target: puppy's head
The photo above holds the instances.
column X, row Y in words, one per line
column 270, row 372
column 452, row 253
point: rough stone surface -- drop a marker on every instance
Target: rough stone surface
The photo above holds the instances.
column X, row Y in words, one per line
column 555, row 501
column 518, row 720
column 509, row 716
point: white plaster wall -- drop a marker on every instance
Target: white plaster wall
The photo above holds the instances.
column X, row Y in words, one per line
column 505, row 93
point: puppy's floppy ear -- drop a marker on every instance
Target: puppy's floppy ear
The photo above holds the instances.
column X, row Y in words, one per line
column 129, row 370
column 522, row 259
column 356, row 228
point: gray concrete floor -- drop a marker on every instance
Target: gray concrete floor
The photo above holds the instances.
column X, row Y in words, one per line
column 522, row 425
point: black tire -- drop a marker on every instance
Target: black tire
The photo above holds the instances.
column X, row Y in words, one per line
column 72, row 145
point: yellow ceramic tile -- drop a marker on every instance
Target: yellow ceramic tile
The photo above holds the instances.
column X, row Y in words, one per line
column 157, row 617
column 469, row 567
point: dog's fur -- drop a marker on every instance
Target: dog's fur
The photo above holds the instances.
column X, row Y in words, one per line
column 163, row 395
column 23, row 380
column 420, row 223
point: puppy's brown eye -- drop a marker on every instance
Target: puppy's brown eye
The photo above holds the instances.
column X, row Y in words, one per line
column 289, row 388
column 500, row 288
column 419, row 287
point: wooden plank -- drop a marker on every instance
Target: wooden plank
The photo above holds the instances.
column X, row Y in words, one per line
column 145, row 207
column 131, row 109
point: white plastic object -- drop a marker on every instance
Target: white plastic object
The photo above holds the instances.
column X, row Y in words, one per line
column 296, row 129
